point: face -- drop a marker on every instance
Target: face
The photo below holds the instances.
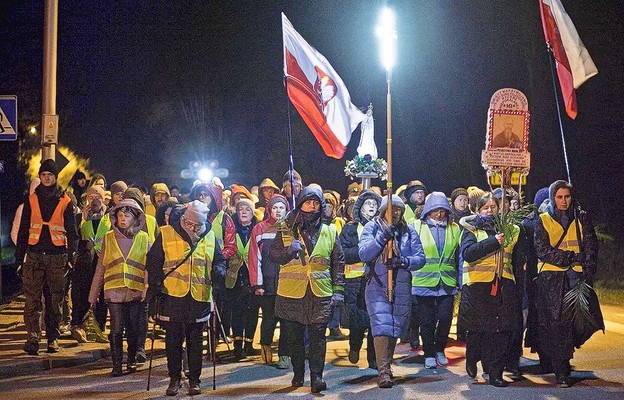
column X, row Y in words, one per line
column 267, row 192
column 278, row 211
column 488, row 209
column 311, row 205
column 397, row 214
column 514, row 205
column 288, row 192
column 82, row 182
column 192, row 226
column 418, row 197
column 125, row 220
column 563, row 199
column 117, row 197
column 93, row 199
column 175, row 192
column 461, row 202
column 328, row 210
column 205, row 198
column 439, row 214
column 160, row 198
column 99, row 182
column 245, row 214
column 369, row 208
column 47, row 178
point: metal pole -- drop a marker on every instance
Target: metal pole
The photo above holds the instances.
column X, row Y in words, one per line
column 390, row 244
column 50, row 34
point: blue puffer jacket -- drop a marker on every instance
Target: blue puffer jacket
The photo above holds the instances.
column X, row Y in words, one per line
column 389, row 319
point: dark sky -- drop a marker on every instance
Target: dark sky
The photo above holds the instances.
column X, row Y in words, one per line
column 132, row 77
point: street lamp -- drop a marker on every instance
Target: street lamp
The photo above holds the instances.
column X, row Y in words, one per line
column 205, row 174
column 387, row 35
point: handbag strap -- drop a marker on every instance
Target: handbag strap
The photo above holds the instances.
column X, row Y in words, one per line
column 181, row 262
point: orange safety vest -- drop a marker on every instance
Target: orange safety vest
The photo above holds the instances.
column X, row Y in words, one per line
column 56, row 224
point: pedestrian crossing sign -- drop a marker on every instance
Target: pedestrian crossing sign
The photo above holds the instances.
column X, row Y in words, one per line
column 8, row 117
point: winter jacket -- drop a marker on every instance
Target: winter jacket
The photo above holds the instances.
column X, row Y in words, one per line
column 386, row 318
column 263, row 272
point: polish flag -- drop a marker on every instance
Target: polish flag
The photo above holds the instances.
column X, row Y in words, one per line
column 318, row 93
column 574, row 65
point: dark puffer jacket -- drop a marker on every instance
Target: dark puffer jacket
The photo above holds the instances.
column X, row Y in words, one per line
column 386, row 318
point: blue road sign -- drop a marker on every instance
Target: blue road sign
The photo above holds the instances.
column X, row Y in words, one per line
column 8, row 117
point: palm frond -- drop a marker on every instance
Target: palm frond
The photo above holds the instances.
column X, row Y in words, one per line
column 576, row 305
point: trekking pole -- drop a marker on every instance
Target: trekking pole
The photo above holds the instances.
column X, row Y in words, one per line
column 149, row 370
column 213, row 348
column 225, row 338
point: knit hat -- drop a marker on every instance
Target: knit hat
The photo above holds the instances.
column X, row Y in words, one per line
column 365, row 195
column 353, row 189
column 48, row 165
column 396, row 202
column 458, row 192
column 296, row 178
column 196, row 212
column 277, row 198
column 267, row 182
column 412, row 187
column 434, row 201
column 127, row 205
column 97, row 189
column 119, row 186
column 540, row 196
column 245, row 202
column 135, row 194
column 79, row 175
column 474, row 194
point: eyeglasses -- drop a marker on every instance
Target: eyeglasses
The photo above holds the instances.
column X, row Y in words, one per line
column 370, row 203
column 192, row 225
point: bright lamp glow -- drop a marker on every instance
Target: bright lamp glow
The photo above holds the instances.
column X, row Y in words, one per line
column 387, row 35
column 205, row 174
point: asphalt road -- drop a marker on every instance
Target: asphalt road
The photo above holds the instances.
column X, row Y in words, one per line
column 598, row 374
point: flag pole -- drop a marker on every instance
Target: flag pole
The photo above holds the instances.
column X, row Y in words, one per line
column 388, row 216
column 552, row 61
column 291, row 162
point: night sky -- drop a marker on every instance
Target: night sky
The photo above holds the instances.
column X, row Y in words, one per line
column 144, row 87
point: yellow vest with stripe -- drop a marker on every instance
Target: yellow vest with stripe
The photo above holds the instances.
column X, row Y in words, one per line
column 437, row 268
column 236, row 262
column 194, row 274
column 152, row 228
column 569, row 243
column 96, row 238
column 295, row 277
column 357, row 269
column 484, row 269
column 123, row 272
column 217, row 227
column 409, row 216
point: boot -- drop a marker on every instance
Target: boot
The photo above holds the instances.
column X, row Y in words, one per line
column 174, row 387
column 267, row 353
column 194, row 388
column 116, row 347
column 249, row 349
column 32, row 346
column 385, row 380
column 132, row 355
column 317, row 384
column 384, row 360
column 238, row 350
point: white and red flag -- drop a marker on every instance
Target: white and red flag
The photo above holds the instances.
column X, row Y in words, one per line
column 574, row 65
column 318, row 93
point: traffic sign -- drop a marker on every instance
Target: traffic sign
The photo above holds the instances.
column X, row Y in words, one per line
column 8, row 117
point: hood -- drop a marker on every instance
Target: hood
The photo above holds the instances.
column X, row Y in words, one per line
column 242, row 190
column 434, row 201
column 217, row 198
column 267, row 182
column 308, row 192
column 365, row 195
column 156, row 188
column 129, row 203
column 94, row 178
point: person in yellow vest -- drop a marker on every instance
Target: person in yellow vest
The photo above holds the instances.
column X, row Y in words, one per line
column 434, row 286
column 46, row 242
column 415, row 195
column 266, row 190
column 489, row 304
column 95, row 224
column 355, row 315
column 187, row 291
column 158, row 195
column 310, row 283
column 567, row 250
column 242, row 309
column 121, row 272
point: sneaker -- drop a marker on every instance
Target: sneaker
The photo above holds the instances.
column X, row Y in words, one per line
column 174, row 387
column 430, row 363
column 441, row 358
column 32, row 347
column 53, row 346
column 283, row 362
column 194, row 388
column 78, row 334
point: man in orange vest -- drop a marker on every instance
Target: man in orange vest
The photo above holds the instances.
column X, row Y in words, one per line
column 46, row 243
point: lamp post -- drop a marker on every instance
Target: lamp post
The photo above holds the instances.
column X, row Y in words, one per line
column 387, row 35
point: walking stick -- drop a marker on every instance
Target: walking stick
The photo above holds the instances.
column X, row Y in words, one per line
column 213, row 347
column 149, row 370
column 390, row 244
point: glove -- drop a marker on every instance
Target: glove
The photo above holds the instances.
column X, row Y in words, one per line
column 397, row 262
column 386, row 231
column 337, row 299
column 295, row 247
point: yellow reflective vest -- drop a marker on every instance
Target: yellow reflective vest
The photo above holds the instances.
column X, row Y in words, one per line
column 120, row 272
column 152, row 227
column 236, row 262
column 295, row 277
column 96, row 238
column 437, row 268
column 357, row 269
column 217, row 227
column 484, row 269
column 409, row 216
column 569, row 243
column 194, row 274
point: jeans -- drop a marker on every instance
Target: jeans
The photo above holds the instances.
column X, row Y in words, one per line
column 436, row 317
column 177, row 332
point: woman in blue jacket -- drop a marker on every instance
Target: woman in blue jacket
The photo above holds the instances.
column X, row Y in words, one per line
column 389, row 319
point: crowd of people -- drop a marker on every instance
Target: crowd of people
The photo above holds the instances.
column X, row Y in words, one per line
column 309, row 260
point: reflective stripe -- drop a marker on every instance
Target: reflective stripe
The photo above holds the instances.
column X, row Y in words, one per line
column 354, row 270
column 569, row 243
column 123, row 272
column 484, row 269
column 294, row 277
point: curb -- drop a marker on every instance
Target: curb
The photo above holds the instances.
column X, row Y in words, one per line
column 27, row 367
